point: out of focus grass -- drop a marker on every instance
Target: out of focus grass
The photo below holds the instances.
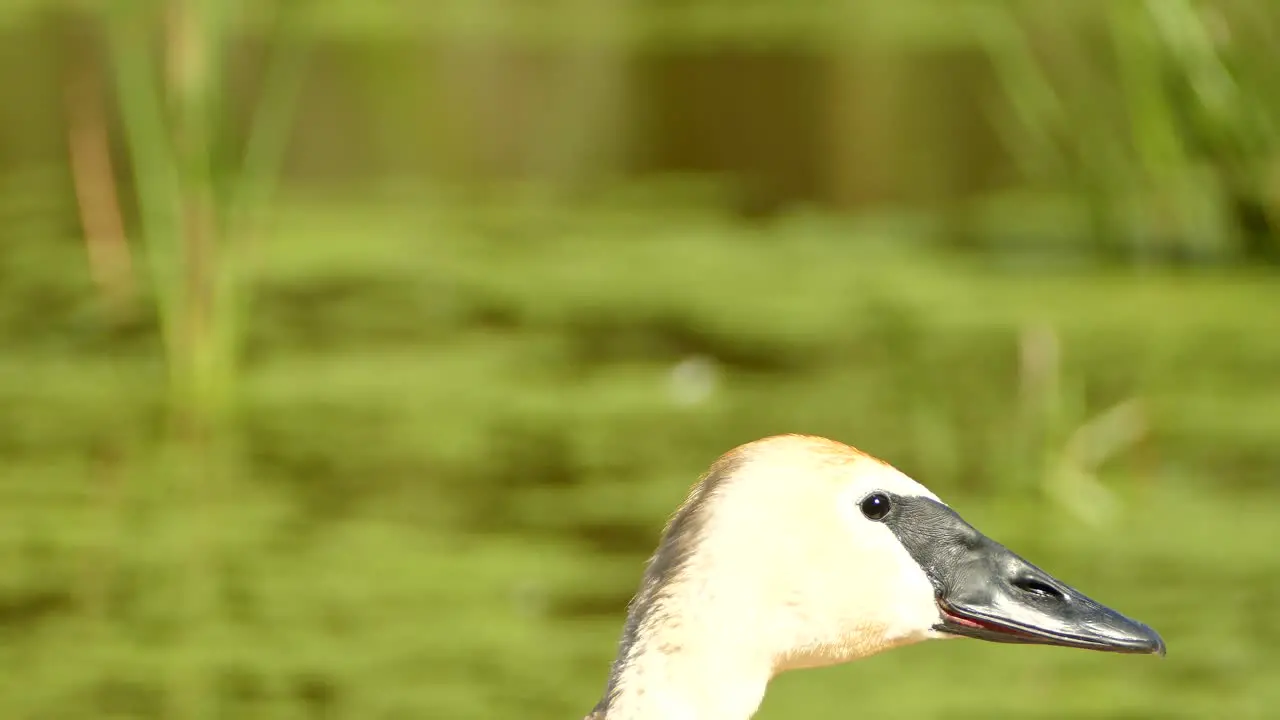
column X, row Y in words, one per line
column 456, row 452
column 399, row 448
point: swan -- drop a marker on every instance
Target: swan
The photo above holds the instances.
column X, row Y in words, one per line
column 798, row 551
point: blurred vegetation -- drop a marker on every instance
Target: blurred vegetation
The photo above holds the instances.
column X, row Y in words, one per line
column 355, row 352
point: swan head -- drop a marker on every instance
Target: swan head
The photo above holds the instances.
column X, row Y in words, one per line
column 831, row 555
column 797, row 551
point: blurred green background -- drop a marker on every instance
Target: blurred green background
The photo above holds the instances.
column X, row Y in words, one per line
column 354, row 353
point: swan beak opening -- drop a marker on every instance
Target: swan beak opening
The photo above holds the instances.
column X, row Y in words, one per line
column 992, row 594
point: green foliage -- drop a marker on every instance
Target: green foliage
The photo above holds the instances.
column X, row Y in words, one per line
column 392, row 450
column 455, row 454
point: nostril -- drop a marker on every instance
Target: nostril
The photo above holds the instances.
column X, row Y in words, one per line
column 1035, row 586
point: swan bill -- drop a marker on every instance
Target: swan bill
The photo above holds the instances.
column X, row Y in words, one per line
column 985, row 591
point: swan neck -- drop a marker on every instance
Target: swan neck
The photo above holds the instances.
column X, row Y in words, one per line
column 685, row 659
column 684, row 685
column 692, row 647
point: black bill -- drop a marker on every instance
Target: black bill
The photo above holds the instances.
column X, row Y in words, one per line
column 985, row 591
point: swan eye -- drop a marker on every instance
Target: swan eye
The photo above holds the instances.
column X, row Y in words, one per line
column 875, row 506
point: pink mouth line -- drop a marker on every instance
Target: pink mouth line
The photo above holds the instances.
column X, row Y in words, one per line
column 979, row 625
